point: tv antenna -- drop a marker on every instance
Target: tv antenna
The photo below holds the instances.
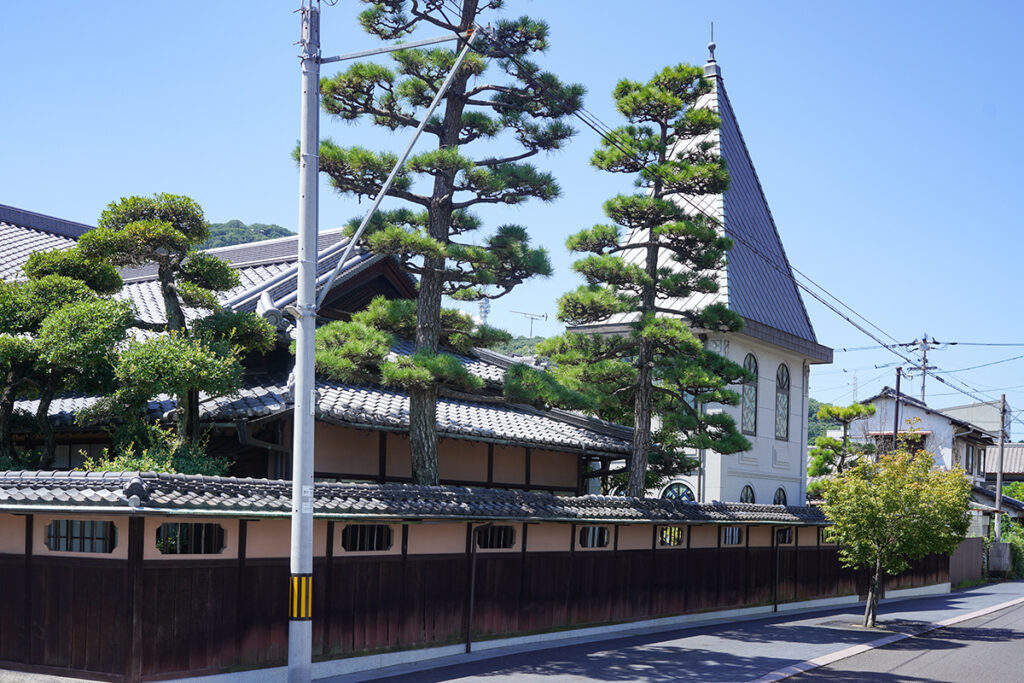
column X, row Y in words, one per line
column 532, row 317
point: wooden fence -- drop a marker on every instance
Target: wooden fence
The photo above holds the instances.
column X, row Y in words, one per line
column 142, row 620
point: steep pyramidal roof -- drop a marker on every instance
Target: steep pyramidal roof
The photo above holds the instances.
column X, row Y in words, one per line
column 757, row 281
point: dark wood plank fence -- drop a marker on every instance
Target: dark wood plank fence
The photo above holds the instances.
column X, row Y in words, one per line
column 138, row 620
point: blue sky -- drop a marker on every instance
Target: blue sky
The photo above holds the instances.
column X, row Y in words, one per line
column 885, row 136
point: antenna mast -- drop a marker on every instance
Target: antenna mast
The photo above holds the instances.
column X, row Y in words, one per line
column 532, row 317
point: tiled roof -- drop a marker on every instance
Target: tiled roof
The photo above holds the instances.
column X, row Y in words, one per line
column 989, row 495
column 482, row 367
column 268, row 265
column 177, row 493
column 24, row 232
column 377, row 407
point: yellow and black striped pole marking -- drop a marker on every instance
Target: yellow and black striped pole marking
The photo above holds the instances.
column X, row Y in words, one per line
column 300, row 597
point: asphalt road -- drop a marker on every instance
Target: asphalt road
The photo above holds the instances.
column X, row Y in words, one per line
column 988, row 649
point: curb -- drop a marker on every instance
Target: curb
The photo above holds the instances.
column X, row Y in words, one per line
column 831, row 658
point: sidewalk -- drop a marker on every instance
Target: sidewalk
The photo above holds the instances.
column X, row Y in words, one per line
column 758, row 650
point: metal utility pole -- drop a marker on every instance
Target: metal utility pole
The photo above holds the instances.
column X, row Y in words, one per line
column 999, row 469
column 896, row 409
column 300, row 594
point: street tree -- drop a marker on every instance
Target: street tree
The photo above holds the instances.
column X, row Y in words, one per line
column 654, row 251
column 832, row 456
column 888, row 512
column 500, row 111
column 185, row 357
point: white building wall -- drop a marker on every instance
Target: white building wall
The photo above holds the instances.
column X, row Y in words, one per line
column 770, row 463
column 939, row 442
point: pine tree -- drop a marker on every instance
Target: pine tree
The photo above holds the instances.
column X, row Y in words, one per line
column 188, row 357
column 519, row 110
column 654, row 251
column 832, row 456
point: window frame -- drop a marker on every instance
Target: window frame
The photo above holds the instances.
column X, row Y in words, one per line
column 753, row 495
column 63, row 534
column 749, row 396
column 783, row 384
column 364, row 534
column 495, row 537
column 597, row 537
column 732, row 535
column 785, row 496
column 675, row 486
column 161, row 540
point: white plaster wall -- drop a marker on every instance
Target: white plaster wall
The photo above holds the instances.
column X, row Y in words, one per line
column 770, row 463
column 939, row 442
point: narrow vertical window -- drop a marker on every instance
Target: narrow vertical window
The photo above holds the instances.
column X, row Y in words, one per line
column 782, row 402
column 748, row 408
column 780, row 496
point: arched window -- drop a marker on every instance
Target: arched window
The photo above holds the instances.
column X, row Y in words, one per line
column 782, row 402
column 748, row 406
column 678, row 491
column 747, row 494
column 780, row 496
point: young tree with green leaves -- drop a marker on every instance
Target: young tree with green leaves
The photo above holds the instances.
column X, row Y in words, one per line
column 889, row 512
column 499, row 103
column 832, row 456
column 185, row 359
column 654, row 251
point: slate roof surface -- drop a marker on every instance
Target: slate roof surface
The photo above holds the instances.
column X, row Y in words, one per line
column 177, row 493
column 23, row 232
column 757, row 281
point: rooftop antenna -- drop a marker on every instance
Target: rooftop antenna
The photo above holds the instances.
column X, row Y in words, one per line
column 532, row 317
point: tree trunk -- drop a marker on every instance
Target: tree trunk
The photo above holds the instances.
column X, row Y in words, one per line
column 6, row 415
column 874, row 592
column 188, row 416
column 423, row 402
column 637, row 486
column 46, row 427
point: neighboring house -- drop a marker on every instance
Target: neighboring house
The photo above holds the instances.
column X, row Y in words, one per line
column 777, row 343
column 23, row 232
column 984, row 415
column 953, row 441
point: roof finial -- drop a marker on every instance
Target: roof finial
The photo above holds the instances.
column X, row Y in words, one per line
column 711, row 45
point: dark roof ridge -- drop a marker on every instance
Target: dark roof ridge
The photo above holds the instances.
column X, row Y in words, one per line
column 42, row 222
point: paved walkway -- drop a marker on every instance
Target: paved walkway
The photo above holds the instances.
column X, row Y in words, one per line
column 762, row 650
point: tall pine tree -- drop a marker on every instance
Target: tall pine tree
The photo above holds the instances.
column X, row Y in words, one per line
column 652, row 253
column 498, row 99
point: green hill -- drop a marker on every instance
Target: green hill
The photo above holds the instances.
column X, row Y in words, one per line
column 237, row 232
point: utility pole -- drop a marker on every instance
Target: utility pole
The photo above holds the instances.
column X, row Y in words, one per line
column 300, row 594
column 923, row 344
column 896, row 409
column 999, row 469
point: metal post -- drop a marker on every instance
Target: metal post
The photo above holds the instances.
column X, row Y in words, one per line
column 896, row 410
column 300, row 613
column 999, row 469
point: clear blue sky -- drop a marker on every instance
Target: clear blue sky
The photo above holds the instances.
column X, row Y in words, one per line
column 886, row 136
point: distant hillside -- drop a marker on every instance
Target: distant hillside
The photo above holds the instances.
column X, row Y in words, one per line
column 237, row 232
column 519, row 346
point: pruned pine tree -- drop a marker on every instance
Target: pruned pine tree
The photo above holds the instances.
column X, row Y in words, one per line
column 833, row 456
column 189, row 357
column 58, row 333
column 500, row 100
column 654, row 251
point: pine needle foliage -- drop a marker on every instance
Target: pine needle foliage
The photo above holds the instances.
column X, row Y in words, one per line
column 499, row 99
column 651, row 253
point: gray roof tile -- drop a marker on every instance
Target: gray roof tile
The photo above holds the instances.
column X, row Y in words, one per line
column 167, row 493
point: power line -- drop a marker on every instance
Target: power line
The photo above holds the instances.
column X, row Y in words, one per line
column 606, row 133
